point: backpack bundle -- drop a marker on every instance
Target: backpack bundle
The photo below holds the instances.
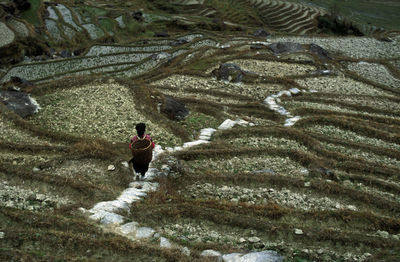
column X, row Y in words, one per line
column 142, row 151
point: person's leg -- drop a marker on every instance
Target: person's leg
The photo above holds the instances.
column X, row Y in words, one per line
column 136, row 169
column 144, row 170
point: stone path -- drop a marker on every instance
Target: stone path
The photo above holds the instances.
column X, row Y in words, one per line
column 107, row 212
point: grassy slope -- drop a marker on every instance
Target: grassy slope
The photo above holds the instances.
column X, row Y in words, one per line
column 379, row 13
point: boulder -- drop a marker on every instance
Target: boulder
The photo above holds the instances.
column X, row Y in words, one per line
column 173, row 109
column 261, row 33
column 19, row 102
column 285, row 47
column 320, row 52
column 229, row 72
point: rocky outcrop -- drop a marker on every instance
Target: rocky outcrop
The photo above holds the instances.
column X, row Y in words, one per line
column 286, row 47
column 229, row 72
column 19, row 102
column 261, row 33
column 173, row 109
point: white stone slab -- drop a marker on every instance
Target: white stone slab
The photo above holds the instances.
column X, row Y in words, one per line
column 107, row 218
column 227, row 124
column 144, row 232
column 130, row 195
column 292, row 121
column 128, row 228
column 294, row 91
column 164, row 243
column 110, row 206
column 284, row 93
column 195, row 143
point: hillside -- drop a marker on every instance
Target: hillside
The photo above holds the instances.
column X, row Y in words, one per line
column 289, row 149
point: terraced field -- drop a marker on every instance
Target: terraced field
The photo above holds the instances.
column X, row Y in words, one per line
column 310, row 170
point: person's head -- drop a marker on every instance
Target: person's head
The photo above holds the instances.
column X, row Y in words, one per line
column 140, row 128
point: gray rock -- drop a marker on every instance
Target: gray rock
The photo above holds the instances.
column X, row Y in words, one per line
column 35, row 169
column 286, row 47
column 210, row 253
column 298, row 231
column 173, row 108
column 2, row 235
column 261, row 33
column 164, row 243
column 242, row 240
column 19, row 102
column 383, row 234
column 254, row 239
column 229, row 72
column 65, row 54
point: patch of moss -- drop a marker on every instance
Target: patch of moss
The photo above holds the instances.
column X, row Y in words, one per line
column 196, row 121
column 32, row 15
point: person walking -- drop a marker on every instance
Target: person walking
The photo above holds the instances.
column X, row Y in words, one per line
column 141, row 147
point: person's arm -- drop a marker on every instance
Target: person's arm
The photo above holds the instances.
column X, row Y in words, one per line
column 151, row 140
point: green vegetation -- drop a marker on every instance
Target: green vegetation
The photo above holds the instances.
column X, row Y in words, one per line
column 32, row 15
column 378, row 13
